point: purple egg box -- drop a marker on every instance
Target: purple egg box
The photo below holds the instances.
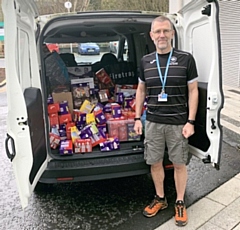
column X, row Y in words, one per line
column 50, row 100
column 109, row 145
column 63, row 108
column 107, row 108
column 79, row 125
column 86, row 132
column 102, row 128
column 127, row 102
column 100, row 117
column 66, row 147
column 120, row 97
column 116, row 111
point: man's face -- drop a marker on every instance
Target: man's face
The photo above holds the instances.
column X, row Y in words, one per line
column 162, row 35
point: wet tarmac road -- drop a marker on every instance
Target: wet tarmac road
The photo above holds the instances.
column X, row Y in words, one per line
column 102, row 205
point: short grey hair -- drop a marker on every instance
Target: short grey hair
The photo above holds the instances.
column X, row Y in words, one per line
column 161, row 19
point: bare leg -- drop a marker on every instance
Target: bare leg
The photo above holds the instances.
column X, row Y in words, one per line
column 157, row 172
column 180, row 177
column 157, row 204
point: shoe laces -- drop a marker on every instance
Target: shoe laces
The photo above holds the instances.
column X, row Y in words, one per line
column 180, row 208
column 154, row 202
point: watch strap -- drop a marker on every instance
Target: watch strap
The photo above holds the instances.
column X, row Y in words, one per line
column 137, row 119
column 192, row 122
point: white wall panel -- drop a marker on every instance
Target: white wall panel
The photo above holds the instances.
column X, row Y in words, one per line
column 230, row 39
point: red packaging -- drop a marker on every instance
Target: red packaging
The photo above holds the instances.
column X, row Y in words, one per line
column 122, row 132
column 117, row 128
column 127, row 112
column 68, row 129
column 76, row 114
column 83, row 146
column 131, row 115
column 54, row 140
column 112, row 131
column 53, row 108
column 103, row 77
column 96, row 139
column 64, row 119
column 108, row 115
column 132, row 103
column 53, row 118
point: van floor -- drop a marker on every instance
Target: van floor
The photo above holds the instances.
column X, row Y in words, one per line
column 125, row 148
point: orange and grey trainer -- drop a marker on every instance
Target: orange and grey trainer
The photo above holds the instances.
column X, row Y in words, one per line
column 156, row 205
column 181, row 218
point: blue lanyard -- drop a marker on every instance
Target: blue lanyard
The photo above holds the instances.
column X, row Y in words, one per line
column 166, row 71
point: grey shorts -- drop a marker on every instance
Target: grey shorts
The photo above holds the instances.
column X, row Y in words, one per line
column 157, row 136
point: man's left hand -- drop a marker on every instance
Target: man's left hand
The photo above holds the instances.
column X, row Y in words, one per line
column 188, row 130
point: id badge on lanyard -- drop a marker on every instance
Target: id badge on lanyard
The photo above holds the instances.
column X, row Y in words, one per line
column 163, row 97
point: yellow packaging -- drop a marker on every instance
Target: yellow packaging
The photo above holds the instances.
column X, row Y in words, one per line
column 74, row 134
column 86, row 107
column 90, row 118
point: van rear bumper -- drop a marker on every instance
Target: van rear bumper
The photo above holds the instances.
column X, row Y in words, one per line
column 90, row 169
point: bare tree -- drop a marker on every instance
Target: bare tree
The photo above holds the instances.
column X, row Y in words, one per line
column 144, row 5
column 57, row 6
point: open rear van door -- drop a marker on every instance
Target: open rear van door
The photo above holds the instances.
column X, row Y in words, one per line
column 198, row 23
column 26, row 139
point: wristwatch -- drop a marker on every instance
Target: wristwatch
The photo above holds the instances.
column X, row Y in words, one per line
column 137, row 119
column 192, row 122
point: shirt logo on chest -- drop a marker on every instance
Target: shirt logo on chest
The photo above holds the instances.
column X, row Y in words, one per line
column 173, row 61
column 154, row 60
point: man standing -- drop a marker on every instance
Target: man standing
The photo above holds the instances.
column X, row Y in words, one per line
column 168, row 77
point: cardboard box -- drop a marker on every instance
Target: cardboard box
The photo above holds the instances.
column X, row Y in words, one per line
column 64, row 96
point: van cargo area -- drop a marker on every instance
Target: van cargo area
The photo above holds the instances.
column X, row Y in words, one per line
column 90, row 98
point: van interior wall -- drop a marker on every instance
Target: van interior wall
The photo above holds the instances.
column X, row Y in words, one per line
column 200, row 138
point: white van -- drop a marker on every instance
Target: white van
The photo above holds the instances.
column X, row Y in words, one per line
column 32, row 78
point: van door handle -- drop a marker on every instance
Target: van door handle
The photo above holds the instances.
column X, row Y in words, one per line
column 9, row 154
